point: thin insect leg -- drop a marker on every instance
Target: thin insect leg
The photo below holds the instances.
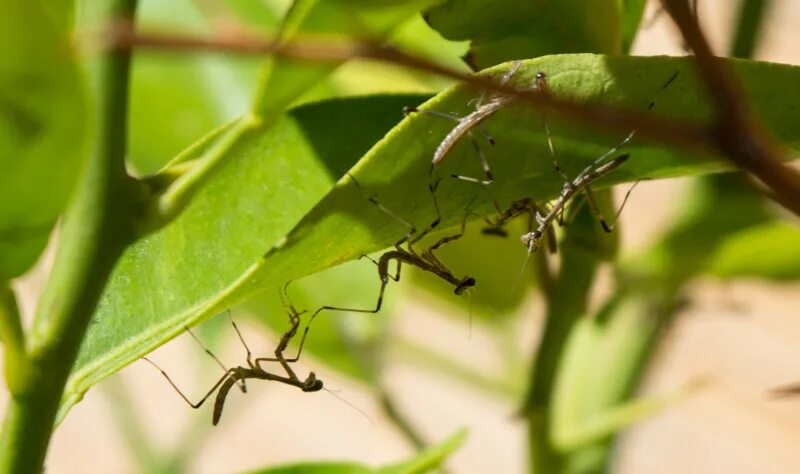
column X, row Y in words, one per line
column 432, row 187
column 543, row 88
column 294, row 322
column 377, row 264
column 491, row 197
column 228, row 373
column 487, row 171
column 370, row 259
column 384, row 282
column 503, row 81
column 241, row 386
column 241, row 382
column 508, row 75
column 577, row 205
column 284, row 295
column 281, row 347
column 552, row 149
column 452, row 237
column 396, row 276
column 552, row 241
column 452, row 117
column 632, row 133
column 241, row 338
column 622, row 206
column 596, row 209
column 411, row 229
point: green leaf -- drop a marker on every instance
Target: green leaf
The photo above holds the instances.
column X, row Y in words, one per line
column 43, row 130
column 421, row 463
column 269, row 214
column 713, row 209
column 632, row 13
column 513, row 29
column 429, row 459
column 285, row 80
column 765, row 251
column 189, row 93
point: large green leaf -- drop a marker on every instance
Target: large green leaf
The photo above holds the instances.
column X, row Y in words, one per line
column 43, row 130
column 423, row 462
column 513, row 29
column 269, row 215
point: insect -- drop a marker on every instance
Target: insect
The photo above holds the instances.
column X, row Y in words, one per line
column 600, row 167
column 533, row 239
column 465, row 126
column 253, row 370
column 427, row 260
column 525, row 206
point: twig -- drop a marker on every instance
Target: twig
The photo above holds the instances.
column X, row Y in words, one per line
column 737, row 133
column 121, row 35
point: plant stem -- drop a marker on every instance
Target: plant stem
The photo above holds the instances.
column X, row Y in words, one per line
column 566, row 302
column 400, row 421
column 16, row 361
column 748, row 27
column 97, row 227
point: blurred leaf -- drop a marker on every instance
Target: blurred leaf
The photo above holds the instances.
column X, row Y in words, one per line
column 263, row 15
column 423, row 462
column 632, row 13
column 516, row 29
column 767, row 251
column 715, row 208
column 285, row 80
column 189, row 94
column 430, row 458
column 43, row 130
column 269, row 214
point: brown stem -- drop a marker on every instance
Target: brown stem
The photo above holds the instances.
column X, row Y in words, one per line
column 737, row 132
column 735, row 135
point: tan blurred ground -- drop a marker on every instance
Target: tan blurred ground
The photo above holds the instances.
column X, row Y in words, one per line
column 743, row 337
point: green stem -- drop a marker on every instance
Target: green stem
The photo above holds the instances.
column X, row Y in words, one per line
column 566, row 302
column 748, row 27
column 434, row 361
column 400, row 421
column 96, row 229
column 16, row 361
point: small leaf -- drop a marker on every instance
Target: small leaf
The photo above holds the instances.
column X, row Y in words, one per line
column 423, row 462
column 766, row 251
column 429, row 459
